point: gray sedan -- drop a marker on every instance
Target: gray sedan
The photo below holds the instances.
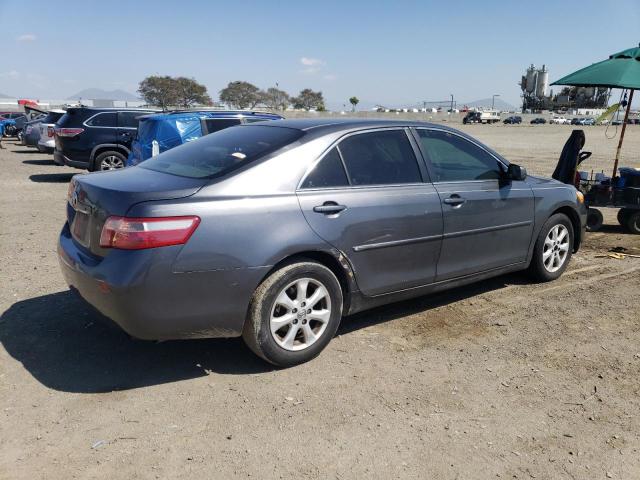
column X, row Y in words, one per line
column 275, row 231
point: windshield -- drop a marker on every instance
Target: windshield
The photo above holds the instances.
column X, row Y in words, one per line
column 221, row 152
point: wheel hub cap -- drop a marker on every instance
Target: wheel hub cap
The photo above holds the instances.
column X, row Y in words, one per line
column 300, row 314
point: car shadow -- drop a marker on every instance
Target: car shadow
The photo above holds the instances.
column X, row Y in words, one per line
column 39, row 162
column 32, row 152
column 68, row 346
column 51, row 177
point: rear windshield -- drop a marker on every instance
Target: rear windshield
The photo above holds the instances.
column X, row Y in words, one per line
column 52, row 117
column 223, row 151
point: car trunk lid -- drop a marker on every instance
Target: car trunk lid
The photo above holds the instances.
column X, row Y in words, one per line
column 94, row 197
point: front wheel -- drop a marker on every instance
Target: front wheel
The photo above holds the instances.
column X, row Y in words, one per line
column 552, row 251
column 294, row 314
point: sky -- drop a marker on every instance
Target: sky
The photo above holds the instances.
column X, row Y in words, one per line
column 393, row 53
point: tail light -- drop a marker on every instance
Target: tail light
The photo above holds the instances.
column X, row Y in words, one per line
column 68, row 132
column 140, row 233
column 50, row 131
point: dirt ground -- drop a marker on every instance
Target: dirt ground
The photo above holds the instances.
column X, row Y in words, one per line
column 503, row 379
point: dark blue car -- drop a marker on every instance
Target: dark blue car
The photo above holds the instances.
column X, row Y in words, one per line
column 161, row 132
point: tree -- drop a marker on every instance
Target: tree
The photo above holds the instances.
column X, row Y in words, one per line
column 241, row 95
column 190, row 93
column 354, row 101
column 159, row 90
column 276, row 99
column 309, row 99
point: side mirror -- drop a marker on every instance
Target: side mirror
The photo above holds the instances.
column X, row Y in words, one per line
column 516, row 172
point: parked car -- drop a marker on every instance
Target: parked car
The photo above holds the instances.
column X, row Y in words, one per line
column 46, row 142
column 96, row 138
column 575, row 121
column 275, row 230
column 31, row 133
column 538, row 120
column 512, row 120
column 6, row 123
column 168, row 130
column 587, row 121
column 559, row 121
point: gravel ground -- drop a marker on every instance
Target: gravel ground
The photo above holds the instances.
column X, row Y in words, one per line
column 503, row 379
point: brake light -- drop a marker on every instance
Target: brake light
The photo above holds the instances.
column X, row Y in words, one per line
column 68, row 132
column 140, row 233
column 50, row 131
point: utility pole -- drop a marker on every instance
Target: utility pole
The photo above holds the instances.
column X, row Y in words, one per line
column 451, row 110
column 493, row 99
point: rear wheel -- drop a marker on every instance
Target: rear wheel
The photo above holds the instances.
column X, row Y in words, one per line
column 294, row 314
column 622, row 216
column 553, row 248
column 110, row 160
column 594, row 220
column 633, row 221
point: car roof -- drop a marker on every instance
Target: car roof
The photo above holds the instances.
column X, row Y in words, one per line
column 325, row 125
column 209, row 114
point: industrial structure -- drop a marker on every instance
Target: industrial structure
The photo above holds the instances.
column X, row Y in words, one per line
column 536, row 95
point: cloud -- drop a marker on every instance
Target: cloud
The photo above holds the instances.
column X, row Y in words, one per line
column 311, row 62
column 12, row 74
column 27, row 37
column 312, row 65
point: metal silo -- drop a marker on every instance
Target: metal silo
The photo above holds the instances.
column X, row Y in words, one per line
column 542, row 82
column 531, row 79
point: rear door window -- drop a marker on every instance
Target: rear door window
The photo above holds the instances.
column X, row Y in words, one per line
column 129, row 119
column 211, row 125
column 327, row 173
column 384, row 157
column 105, row 119
column 222, row 152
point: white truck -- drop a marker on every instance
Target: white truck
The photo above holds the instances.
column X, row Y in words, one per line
column 482, row 116
column 560, row 120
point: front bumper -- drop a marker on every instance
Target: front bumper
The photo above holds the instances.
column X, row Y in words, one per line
column 139, row 291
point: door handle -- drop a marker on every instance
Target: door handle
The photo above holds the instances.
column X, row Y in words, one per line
column 329, row 208
column 454, row 200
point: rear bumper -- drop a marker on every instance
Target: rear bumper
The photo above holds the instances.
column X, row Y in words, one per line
column 139, row 291
column 61, row 159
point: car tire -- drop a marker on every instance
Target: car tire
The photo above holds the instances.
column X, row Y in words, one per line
column 594, row 220
column 633, row 222
column 553, row 248
column 283, row 330
column 109, row 160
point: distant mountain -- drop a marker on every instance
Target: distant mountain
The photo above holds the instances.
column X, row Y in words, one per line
column 2, row 95
column 97, row 93
column 498, row 104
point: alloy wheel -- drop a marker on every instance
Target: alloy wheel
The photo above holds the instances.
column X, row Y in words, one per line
column 556, row 248
column 300, row 314
column 111, row 162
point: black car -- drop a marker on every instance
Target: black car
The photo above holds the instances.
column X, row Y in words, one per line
column 512, row 120
column 538, row 120
column 96, row 138
column 575, row 121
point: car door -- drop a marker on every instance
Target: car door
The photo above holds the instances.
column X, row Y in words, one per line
column 370, row 198
column 127, row 127
column 103, row 128
column 487, row 220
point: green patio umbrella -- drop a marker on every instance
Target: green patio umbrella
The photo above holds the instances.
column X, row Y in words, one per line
column 620, row 70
